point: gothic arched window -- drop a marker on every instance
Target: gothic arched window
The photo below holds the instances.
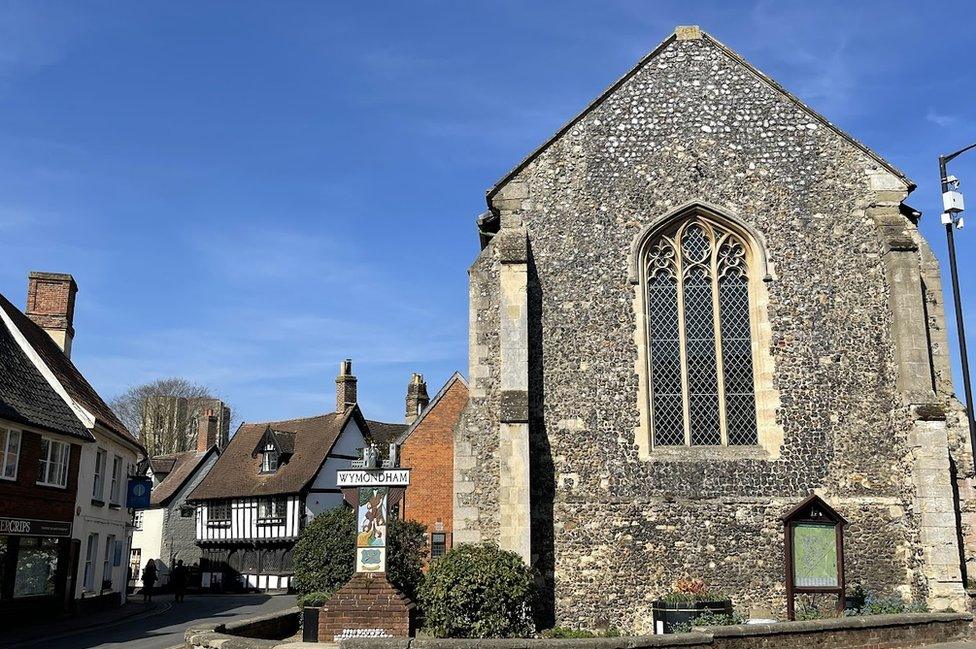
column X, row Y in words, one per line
column 696, row 282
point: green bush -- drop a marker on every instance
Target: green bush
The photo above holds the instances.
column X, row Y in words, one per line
column 317, row 598
column 478, row 591
column 865, row 602
column 325, row 555
column 567, row 632
column 710, row 619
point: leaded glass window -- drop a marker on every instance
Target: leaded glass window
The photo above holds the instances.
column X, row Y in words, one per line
column 699, row 335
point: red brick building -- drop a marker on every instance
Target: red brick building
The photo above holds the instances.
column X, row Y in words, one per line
column 427, row 448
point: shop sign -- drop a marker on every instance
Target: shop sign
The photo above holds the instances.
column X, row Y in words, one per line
column 33, row 527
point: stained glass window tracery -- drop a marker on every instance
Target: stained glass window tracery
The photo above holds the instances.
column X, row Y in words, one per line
column 699, row 336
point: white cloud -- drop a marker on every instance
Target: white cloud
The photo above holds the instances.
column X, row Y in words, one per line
column 940, row 119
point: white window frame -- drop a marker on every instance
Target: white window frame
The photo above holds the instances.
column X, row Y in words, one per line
column 116, row 480
column 90, row 552
column 6, row 454
column 98, row 486
column 137, row 520
column 46, row 463
column 219, row 522
column 270, row 453
column 275, row 509
column 107, row 563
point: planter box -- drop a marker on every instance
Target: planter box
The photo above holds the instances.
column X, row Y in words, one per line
column 310, row 624
column 667, row 615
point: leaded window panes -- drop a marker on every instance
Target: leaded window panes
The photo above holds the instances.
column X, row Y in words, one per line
column 696, row 283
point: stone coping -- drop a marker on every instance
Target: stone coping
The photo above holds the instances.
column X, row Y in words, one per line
column 833, row 624
column 233, row 635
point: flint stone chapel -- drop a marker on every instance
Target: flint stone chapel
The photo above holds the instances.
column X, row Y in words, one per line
column 696, row 305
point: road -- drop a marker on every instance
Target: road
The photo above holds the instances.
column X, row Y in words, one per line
column 164, row 627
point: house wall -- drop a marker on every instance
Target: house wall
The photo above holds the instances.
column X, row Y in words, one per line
column 104, row 518
column 149, row 542
column 179, row 531
column 611, row 529
column 429, row 453
column 324, row 493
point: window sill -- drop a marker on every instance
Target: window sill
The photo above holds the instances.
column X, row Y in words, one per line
column 97, row 503
column 218, row 524
column 51, row 485
column 114, row 506
column 8, row 479
column 707, row 453
column 271, row 521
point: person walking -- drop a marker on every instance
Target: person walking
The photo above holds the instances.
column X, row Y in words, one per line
column 178, row 579
column 148, row 580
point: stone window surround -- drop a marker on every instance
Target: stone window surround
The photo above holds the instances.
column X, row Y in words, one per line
column 770, row 433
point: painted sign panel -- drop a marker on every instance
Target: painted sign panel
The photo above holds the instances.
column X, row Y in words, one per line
column 33, row 527
column 371, row 529
column 361, row 478
column 814, row 556
column 137, row 494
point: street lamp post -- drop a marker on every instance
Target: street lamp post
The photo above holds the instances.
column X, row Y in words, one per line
column 952, row 206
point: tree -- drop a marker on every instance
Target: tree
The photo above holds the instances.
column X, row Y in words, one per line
column 162, row 425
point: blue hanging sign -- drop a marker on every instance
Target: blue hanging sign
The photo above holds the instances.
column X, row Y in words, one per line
column 137, row 496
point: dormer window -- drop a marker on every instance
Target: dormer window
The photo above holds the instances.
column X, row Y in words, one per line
column 269, row 461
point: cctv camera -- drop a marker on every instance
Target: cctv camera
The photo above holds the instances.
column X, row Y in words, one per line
column 953, row 181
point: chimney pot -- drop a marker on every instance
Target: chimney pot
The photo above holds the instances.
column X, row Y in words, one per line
column 51, row 305
column 345, row 387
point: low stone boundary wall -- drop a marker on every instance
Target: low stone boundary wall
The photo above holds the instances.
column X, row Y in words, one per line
column 253, row 633
column 889, row 631
column 907, row 630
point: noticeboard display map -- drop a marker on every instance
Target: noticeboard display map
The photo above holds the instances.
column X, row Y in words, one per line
column 814, row 556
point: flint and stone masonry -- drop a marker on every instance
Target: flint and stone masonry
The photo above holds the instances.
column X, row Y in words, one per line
column 554, row 457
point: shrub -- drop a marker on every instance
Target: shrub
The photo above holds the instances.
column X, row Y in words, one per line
column 325, row 555
column 567, row 632
column 866, row 602
column 710, row 619
column 691, row 590
column 478, row 591
column 316, row 598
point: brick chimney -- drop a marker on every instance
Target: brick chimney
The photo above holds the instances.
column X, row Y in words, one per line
column 51, row 304
column 417, row 398
column 206, row 430
column 345, row 387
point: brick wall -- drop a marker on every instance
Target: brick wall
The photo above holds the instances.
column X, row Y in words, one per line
column 24, row 498
column 429, row 452
column 367, row 604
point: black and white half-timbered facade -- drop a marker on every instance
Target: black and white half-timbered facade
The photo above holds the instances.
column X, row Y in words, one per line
column 268, row 483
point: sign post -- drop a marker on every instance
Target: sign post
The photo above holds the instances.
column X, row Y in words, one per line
column 368, row 605
column 814, row 539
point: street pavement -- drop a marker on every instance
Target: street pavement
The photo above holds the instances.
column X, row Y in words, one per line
column 160, row 627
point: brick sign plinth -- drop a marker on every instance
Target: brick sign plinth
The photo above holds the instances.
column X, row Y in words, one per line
column 367, row 606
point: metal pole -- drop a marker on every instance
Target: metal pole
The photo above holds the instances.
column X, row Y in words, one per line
column 960, row 324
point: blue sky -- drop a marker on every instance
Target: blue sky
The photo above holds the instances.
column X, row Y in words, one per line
column 248, row 192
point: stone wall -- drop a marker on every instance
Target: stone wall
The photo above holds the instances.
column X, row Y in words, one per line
column 851, row 355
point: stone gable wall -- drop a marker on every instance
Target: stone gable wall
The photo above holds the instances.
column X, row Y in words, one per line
column 612, row 531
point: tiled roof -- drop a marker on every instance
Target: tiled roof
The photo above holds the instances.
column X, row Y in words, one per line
column 67, row 374
column 182, row 467
column 25, row 395
column 237, row 472
column 383, row 433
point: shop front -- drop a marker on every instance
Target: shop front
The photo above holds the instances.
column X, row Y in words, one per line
column 36, row 562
